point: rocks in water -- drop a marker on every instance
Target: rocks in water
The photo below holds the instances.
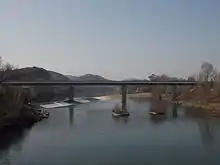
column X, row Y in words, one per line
column 35, row 114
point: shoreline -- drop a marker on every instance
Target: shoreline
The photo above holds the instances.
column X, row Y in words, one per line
column 190, row 104
column 207, row 106
column 27, row 116
column 130, row 96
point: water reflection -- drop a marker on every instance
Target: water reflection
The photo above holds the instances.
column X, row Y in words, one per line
column 11, row 140
column 204, row 121
column 159, row 107
column 174, row 110
column 207, row 131
column 157, row 119
column 71, row 115
column 124, row 119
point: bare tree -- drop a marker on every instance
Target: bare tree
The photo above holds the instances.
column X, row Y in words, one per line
column 8, row 67
column 206, row 70
column 191, row 78
column 152, row 77
column 4, row 67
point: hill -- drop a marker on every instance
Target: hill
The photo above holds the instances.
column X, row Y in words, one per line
column 88, row 77
column 92, row 91
column 39, row 93
column 47, row 93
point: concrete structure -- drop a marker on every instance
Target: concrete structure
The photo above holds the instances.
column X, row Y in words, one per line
column 124, row 97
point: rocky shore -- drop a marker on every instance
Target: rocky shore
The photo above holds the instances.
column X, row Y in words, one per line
column 16, row 110
column 27, row 117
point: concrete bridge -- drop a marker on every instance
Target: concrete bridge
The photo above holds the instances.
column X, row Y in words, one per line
column 123, row 84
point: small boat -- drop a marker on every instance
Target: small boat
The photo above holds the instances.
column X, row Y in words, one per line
column 121, row 113
column 156, row 113
column 125, row 113
column 153, row 113
column 118, row 112
column 115, row 114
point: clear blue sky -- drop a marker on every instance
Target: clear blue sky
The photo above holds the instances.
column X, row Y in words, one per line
column 114, row 38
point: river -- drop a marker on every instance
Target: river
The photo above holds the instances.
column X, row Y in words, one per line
column 88, row 134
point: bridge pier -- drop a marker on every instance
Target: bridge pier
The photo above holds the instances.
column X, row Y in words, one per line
column 71, row 94
column 124, row 97
column 174, row 110
column 174, row 93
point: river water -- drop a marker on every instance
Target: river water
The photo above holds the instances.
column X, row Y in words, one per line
column 88, row 134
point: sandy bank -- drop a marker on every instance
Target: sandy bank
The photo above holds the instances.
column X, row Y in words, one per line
column 132, row 96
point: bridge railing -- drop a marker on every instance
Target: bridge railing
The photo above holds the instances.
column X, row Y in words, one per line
column 98, row 83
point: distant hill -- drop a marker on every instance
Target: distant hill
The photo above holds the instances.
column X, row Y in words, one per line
column 39, row 93
column 47, row 93
column 134, row 89
column 92, row 91
column 87, row 77
column 134, row 79
column 33, row 74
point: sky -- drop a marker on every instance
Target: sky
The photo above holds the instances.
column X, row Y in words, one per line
column 117, row 39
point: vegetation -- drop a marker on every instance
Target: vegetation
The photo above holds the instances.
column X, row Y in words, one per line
column 206, row 95
column 14, row 109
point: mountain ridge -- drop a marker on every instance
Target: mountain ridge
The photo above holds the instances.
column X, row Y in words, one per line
column 87, row 77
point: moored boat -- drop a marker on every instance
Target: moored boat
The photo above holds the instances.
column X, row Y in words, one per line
column 117, row 112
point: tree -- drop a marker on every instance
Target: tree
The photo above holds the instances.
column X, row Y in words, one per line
column 206, row 70
column 1, row 62
column 152, row 77
column 4, row 68
column 213, row 75
column 8, row 67
column 191, row 78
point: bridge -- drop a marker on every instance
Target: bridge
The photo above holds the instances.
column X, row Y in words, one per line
column 123, row 85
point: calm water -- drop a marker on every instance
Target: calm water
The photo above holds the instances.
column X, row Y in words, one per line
column 88, row 134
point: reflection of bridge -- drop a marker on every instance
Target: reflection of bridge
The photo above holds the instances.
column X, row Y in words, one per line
column 123, row 85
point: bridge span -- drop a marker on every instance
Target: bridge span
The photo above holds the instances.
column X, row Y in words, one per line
column 99, row 83
column 123, row 85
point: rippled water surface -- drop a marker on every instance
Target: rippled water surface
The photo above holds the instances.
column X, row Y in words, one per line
column 88, row 134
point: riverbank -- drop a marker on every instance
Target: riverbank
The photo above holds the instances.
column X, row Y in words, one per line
column 26, row 117
column 190, row 104
column 207, row 106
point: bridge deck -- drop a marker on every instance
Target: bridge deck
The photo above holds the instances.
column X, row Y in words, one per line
column 104, row 83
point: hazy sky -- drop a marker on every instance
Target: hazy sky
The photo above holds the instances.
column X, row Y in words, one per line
column 114, row 38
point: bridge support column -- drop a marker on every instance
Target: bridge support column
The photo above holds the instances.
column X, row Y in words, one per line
column 71, row 94
column 174, row 109
column 124, row 97
column 174, row 93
